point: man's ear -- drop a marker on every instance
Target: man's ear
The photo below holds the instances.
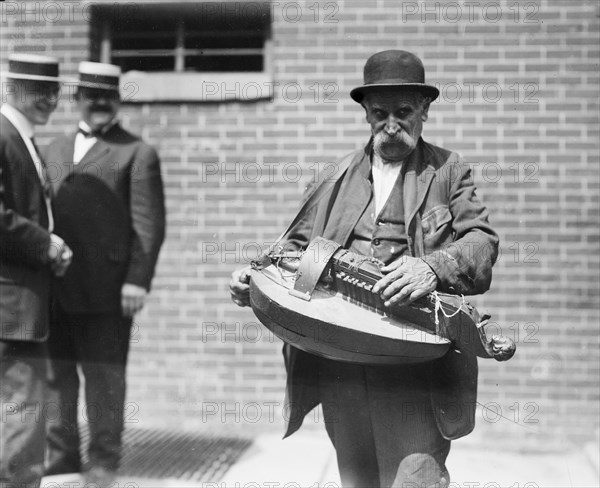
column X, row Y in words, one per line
column 425, row 111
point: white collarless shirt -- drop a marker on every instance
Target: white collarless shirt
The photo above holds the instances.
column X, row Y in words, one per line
column 26, row 130
column 384, row 178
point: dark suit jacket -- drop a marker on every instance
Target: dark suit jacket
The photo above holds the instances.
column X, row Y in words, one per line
column 24, row 239
column 448, row 227
column 109, row 208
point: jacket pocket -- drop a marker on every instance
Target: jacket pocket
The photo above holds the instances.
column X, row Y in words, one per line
column 435, row 218
column 437, row 227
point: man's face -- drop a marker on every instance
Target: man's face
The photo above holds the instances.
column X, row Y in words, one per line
column 396, row 120
column 36, row 100
column 98, row 107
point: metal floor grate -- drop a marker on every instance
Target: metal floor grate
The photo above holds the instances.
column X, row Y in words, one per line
column 185, row 456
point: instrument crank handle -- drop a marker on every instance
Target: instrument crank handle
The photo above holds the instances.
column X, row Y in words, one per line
column 499, row 347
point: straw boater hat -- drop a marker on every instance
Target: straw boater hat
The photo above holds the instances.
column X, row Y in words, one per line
column 102, row 76
column 394, row 70
column 33, row 67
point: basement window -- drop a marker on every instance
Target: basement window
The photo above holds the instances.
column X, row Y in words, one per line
column 182, row 52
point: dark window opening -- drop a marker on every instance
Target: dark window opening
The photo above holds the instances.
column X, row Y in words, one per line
column 182, row 37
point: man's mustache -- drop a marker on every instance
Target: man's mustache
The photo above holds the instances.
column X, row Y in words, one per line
column 401, row 137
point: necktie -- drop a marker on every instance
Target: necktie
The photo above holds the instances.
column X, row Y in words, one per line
column 46, row 187
column 45, row 183
column 88, row 133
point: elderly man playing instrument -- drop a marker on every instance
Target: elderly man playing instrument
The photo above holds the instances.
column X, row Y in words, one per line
column 412, row 206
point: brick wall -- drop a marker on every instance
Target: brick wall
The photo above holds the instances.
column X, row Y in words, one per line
column 519, row 83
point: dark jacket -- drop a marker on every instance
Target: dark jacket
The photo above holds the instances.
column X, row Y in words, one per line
column 24, row 240
column 109, row 208
column 448, row 227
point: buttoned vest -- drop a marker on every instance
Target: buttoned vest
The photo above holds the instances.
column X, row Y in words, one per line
column 383, row 237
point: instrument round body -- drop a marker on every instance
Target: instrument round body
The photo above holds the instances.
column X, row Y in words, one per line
column 333, row 326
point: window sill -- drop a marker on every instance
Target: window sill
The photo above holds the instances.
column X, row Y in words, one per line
column 143, row 87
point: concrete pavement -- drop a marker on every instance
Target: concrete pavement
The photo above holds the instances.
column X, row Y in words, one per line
column 308, row 460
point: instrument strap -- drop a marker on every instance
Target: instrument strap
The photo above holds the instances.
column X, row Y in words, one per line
column 312, row 266
column 315, row 196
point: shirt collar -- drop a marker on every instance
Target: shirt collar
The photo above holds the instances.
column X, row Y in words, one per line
column 19, row 120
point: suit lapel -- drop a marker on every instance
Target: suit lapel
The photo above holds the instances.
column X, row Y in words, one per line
column 99, row 151
column 96, row 153
column 61, row 153
column 17, row 140
column 67, row 148
column 346, row 212
column 21, row 148
column 25, row 159
column 417, row 180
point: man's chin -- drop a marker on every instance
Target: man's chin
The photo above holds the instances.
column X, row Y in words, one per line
column 391, row 152
column 99, row 119
column 41, row 117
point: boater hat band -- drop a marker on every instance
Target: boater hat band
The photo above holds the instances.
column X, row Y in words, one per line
column 38, row 69
column 33, row 67
column 98, row 81
column 102, row 76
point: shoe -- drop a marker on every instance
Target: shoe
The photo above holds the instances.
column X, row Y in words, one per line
column 100, row 477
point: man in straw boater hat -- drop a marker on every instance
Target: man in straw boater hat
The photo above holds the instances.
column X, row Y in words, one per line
column 411, row 205
column 110, row 208
column 30, row 252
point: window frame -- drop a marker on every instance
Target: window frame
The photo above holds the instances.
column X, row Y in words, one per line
column 189, row 86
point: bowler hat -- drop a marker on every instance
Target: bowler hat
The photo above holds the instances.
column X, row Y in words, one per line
column 24, row 66
column 394, row 69
column 102, row 76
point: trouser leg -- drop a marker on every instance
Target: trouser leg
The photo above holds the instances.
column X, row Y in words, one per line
column 103, row 346
column 23, row 368
column 382, row 425
column 348, row 423
column 411, row 452
column 63, row 434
